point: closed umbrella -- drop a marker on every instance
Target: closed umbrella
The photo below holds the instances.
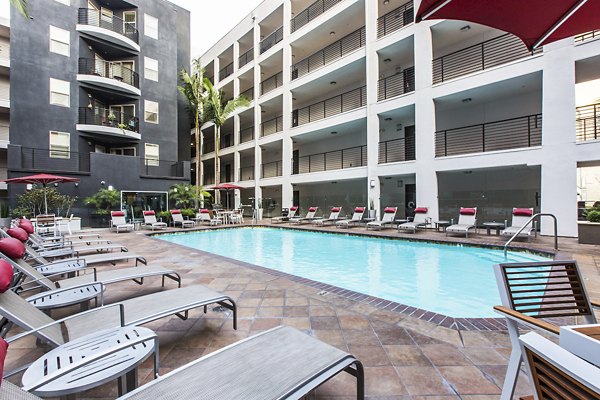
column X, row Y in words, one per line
column 44, row 180
column 225, row 186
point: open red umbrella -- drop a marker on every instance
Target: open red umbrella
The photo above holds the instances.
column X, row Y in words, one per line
column 536, row 22
column 44, row 180
column 225, row 186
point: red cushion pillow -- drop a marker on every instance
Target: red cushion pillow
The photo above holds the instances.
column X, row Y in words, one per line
column 335, row 209
column 204, row 211
column 421, row 210
column 359, row 210
column 389, row 210
column 523, row 212
column 312, row 209
column 6, row 275
column 467, row 211
column 26, row 225
column 18, row 233
column 117, row 213
column 12, row 248
column 175, row 211
column 3, row 351
column 149, row 213
column 294, row 208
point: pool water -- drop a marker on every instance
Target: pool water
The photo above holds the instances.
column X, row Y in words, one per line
column 454, row 280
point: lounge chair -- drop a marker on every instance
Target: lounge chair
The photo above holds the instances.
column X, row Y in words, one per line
column 357, row 217
column 204, row 216
column 178, row 220
column 291, row 214
column 334, row 216
column 467, row 220
column 118, row 222
column 310, row 216
column 520, row 216
column 421, row 219
column 532, row 293
column 389, row 214
column 151, row 222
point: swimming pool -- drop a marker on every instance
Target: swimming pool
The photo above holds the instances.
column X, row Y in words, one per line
column 454, row 280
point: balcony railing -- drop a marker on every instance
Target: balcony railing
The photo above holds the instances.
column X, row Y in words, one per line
column 481, row 56
column 246, row 58
column 271, row 83
column 397, row 84
column 247, row 173
column 271, row 126
column 54, row 160
column 397, row 150
column 395, row 19
column 311, row 12
column 247, row 134
column 588, row 122
column 271, row 40
column 335, row 105
column 226, row 140
column 271, row 169
column 108, row 117
column 161, row 168
column 107, row 69
column 112, row 23
column 226, row 71
column 329, row 54
column 507, row 134
column 330, row 160
column 587, row 36
column 249, row 93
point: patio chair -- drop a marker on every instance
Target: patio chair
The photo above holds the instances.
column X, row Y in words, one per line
column 467, row 220
column 237, row 217
column 310, row 216
column 151, row 222
column 46, row 223
column 357, row 217
column 520, row 217
column 532, row 293
column 291, row 214
column 118, row 222
column 334, row 216
column 421, row 219
column 556, row 373
column 389, row 214
column 178, row 219
column 204, row 216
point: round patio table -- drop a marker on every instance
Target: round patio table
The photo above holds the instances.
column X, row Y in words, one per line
column 494, row 225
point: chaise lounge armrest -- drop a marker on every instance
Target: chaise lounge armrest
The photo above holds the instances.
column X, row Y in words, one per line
column 595, row 303
column 527, row 320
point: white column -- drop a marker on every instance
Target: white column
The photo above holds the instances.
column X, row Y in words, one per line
column 372, row 73
column 236, row 166
column 287, row 143
column 217, row 68
column 257, row 119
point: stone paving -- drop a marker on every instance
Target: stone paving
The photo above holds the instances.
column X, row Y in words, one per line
column 404, row 357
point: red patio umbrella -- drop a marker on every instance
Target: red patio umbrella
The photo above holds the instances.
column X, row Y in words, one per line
column 535, row 22
column 44, row 180
column 225, row 186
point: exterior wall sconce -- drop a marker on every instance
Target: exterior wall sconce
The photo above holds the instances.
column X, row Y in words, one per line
column 372, row 183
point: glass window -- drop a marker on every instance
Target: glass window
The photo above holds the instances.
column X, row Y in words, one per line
column 60, row 41
column 151, row 69
column 150, row 26
column 152, row 152
column 60, row 144
column 60, row 92
column 129, row 22
column 106, row 14
column 151, row 111
column 123, row 151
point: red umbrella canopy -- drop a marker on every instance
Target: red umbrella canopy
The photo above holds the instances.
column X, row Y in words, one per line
column 536, row 22
column 44, row 179
column 225, row 186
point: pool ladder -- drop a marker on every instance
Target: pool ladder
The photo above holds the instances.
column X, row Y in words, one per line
column 529, row 222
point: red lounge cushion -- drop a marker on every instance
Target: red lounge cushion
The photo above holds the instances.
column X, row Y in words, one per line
column 18, row 233
column 359, row 210
column 523, row 212
column 204, row 211
column 335, row 209
column 312, row 209
column 389, row 210
column 12, row 248
column 26, row 225
column 3, row 351
column 293, row 208
column 175, row 211
column 421, row 210
column 467, row 211
column 6, row 275
column 117, row 213
column 149, row 212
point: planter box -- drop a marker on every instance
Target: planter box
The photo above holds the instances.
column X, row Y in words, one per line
column 589, row 232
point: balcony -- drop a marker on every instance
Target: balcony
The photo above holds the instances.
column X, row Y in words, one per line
column 247, row 173
column 110, row 124
column 226, row 71
column 271, row 126
column 514, row 133
column 152, row 168
column 271, row 169
column 249, row 94
column 226, row 141
column 479, row 57
column 208, row 146
column 271, row 40
column 338, row 159
column 588, row 122
column 246, row 58
column 45, row 160
column 109, row 75
column 311, row 12
column 587, row 36
column 108, row 28
column 271, row 83
column 395, row 20
column 329, row 54
column 396, row 85
column 209, row 178
column 348, row 101
column 247, row 134
column 397, row 150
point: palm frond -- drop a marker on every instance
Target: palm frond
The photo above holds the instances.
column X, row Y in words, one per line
column 21, row 6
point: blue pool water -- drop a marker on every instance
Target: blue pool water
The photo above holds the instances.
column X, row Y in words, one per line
column 457, row 281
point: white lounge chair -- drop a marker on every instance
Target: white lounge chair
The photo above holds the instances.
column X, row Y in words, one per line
column 310, row 216
column 467, row 220
column 357, row 217
column 334, row 216
column 421, row 219
column 389, row 214
column 151, row 222
column 118, row 222
column 204, row 216
column 291, row 214
column 178, row 219
column 520, row 216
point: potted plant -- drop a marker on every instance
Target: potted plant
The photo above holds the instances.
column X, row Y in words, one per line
column 589, row 231
column 372, row 212
column 112, row 118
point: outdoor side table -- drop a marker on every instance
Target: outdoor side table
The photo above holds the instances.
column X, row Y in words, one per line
column 69, row 296
column 441, row 224
column 91, row 361
column 494, row 225
column 583, row 341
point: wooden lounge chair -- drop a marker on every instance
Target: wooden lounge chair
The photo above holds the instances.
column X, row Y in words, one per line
column 291, row 214
column 531, row 293
column 520, row 216
column 357, row 217
column 389, row 214
column 310, row 216
column 178, row 220
column 421, row 219
column 467, row 220
column 151, row 222
column 334, row 216
column 118, row 222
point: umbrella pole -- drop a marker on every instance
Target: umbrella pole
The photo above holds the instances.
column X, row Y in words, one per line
column 45, row 200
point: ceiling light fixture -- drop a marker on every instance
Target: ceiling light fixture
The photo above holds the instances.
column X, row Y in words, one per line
column 465, row 28
column 388, row 119
column 332, row 33
column 334, row 133
column 386, row 2
column 467, row 100
column 333, row 83
column 387, row 60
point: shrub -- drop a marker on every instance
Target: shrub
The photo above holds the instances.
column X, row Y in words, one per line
column 31, row 203
column 188, row 212
column 593, row 216
column 104, row 200
column 165, row 216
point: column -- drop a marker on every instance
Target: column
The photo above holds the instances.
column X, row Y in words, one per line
column 287, row 144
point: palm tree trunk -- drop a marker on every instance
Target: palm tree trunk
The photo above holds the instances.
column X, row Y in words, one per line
column 197, row 141
column 217, row 177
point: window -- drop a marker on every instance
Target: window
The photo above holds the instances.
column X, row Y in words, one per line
column 106, row 14
column 152, row 154
column 60, row 144
column 150, row 26
column 151, row 111
column 151, row 69
column 129, row 22
column 60, row 41
column 123, row 151
column 60, row 92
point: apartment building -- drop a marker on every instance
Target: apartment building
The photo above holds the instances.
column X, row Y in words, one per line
column 353, row 102
column 93, row 93
column 4, row 99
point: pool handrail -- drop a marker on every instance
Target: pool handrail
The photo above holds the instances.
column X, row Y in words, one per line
column 529, row 222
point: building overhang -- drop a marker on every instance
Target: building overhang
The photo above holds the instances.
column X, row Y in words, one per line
column 109, row 83
column 109, row 36
column 109, row 132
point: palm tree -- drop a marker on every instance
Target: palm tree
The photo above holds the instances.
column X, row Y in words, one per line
column 20, row 6
column 183, row 194
column 217, row 111
column 192, row 90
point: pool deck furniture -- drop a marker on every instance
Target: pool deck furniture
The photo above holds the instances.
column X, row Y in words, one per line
column 520, row 216
column 291, row 214
column 310, row 216
column 118, row 223
column 389, row 214
column 356, row 219
column 204, row 216
column 420, row 220
column 334, row 216
column 178, row 220
column 532, row 293
column 467, row 220
column 151, row 222
column 497, row 226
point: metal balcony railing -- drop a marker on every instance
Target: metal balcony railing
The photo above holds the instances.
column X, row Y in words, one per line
column 271, row 169
column 247, row 173
column 271, row 83
column 311, row 12
column 247, row 134
column 397, row 150
column 271, row 126
column 161, row 168
column 271, row 40
column 113, row 23
column 249, row 93
column 587, row 36
column 226, row 71
column 348, row 101
column 246, row 58
column 588, row 122
column 397, row 84
column 107, row 69
column 395, row 19
column 108, row 117
column 506, row 134
column 54, row 160
column 329, row 54
column 331, row 160
column 480, row 56
column 226, row 141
